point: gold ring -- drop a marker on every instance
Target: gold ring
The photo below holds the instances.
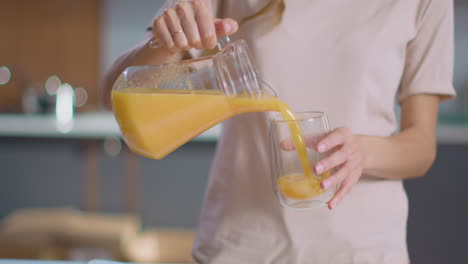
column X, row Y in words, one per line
column 179, row 31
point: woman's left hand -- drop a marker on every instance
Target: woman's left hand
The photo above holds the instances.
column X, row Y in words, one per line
column 345, row 156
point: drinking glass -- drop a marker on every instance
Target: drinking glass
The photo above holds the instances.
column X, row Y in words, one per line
column 291, row 187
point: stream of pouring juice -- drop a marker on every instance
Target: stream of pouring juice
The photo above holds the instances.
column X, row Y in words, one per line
column 156, row 122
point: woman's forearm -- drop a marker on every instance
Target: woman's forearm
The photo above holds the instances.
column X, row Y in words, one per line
column 411, row 152
column 408, row 154
column 141, row 54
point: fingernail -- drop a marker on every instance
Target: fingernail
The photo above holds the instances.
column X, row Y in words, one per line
column 325, row 185
column 228, row 28
column 319, row 168
column 322, row 147
column 332, row 205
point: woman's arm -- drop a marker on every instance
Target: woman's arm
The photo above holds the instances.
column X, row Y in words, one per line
column 411, row 152
column 428, row 69
column 408, row 154
column 141, row 54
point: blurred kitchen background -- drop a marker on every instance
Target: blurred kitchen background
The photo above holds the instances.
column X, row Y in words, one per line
column 71, row 189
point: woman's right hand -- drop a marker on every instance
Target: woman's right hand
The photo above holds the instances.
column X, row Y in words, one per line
column 190, row 24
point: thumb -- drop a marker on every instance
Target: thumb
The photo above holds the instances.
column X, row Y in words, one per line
column 225, row 26
column 287, row 145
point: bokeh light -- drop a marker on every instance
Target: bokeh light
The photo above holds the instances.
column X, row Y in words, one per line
column 81, row 97
column 64, row 108
column 52, row 84
column 112, row 146
column 5, row 75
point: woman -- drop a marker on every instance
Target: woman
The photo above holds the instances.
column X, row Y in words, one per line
column 350, row 59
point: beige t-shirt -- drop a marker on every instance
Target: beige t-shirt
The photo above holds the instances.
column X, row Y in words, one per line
column 352, row 59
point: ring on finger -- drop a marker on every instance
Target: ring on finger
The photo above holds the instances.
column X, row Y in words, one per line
column 177, row 32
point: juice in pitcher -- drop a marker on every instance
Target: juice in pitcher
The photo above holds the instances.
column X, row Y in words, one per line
column 156, row 122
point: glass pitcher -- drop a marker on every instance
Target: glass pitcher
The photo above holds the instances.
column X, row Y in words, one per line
column 159, row 108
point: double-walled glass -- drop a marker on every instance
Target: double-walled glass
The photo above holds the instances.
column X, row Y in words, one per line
column 290, row 183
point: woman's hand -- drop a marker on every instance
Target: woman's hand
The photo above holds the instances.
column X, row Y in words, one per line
column 190, row 25
column 345, row 159
column 345, row 156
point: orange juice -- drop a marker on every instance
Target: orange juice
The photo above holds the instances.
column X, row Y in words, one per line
column 299, row 187
column 155, row 122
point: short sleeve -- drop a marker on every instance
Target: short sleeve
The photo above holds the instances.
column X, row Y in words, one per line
column 429, row 55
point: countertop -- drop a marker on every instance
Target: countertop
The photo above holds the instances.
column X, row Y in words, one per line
column 102, row 125
column 93, row 125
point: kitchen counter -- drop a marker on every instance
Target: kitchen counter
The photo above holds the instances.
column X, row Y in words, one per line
column 94, row 125
column 102, row 125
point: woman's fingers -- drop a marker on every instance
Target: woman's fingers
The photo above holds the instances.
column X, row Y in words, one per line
column 225, row 27
column 287, row 145
column 205, row 24
column 340, row 156
column 162, row 33
column 336, row 178
column 189, row 25
column 175, row 28
column 338, row 137
column 351, row 165
column 345, row 187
